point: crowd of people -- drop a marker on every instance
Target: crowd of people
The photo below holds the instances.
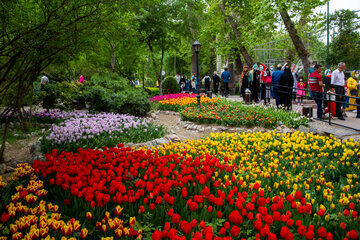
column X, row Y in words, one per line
column 287, row 86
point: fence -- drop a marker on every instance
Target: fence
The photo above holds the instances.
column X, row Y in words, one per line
column 280, row 89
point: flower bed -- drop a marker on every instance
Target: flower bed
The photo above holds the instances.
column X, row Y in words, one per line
column 235, row 114
column 30, row 215
column 178, row 104
column 227, row 186
column 98, row 130
column 173, row 96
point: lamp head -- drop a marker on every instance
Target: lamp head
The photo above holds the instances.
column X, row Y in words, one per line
column 196, row 46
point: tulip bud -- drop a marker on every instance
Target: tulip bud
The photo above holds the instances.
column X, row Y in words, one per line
column 89, row 216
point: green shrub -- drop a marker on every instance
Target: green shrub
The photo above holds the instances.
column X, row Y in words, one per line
column 170, row 85
column 112, row 93
column 152, row 92
column 149, row 82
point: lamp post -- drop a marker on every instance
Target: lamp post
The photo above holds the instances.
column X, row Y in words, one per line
column 196, row 48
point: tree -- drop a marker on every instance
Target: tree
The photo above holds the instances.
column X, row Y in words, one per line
column 345, row 44
column 35, row 34
column 235, row 27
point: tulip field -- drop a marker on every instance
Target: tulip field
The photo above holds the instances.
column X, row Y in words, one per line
column 224, row 186
column 227, row 186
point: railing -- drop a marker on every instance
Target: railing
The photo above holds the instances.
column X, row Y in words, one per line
column 324, row 96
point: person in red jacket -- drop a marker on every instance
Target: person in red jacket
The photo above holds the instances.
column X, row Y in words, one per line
column 316, row 89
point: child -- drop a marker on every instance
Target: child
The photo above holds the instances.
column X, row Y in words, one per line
column 300, row 90
column 331, row 104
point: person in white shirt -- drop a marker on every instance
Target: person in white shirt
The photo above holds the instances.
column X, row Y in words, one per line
column 44, row 80
column 338, row 79
column 177, row 77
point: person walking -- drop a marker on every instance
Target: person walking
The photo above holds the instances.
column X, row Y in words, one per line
column 244, row 81
column 338, row 79
column 216, row 83
column 316, row 90
column 207, row 80
column 275, row 77
column 225, row 77
column 286, row 83
column 352, row 84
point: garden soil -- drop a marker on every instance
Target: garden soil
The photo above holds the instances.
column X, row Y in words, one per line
column 172, row 124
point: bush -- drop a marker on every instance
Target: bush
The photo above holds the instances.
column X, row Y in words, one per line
column 170, row 85
column 111, row 93
column 149, row 82
column 152, row 92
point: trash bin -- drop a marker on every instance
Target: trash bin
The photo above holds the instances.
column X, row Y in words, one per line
column 247, row 96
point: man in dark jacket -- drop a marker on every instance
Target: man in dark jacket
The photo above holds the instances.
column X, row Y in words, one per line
column 275, row 77
column 216, row 83
column 286, row 83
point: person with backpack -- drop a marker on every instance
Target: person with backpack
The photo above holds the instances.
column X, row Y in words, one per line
column 206, row 81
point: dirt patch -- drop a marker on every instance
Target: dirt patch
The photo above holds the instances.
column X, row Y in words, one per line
column 173, row 124
column 16, row 152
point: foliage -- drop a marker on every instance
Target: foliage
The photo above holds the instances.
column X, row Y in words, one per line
column 152, row 91
column 149, row 82
column 111, row 93
column 344, row 46
column 170, row 85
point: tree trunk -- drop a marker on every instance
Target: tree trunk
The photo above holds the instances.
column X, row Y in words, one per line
column 193, row 63
column 232, row 86
column 6, row 130
column 158, row 76
column 112, row 63
column 238, row 62
column 193, row 37
column 212, row 58
column 229, row 18
column 298, row 43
